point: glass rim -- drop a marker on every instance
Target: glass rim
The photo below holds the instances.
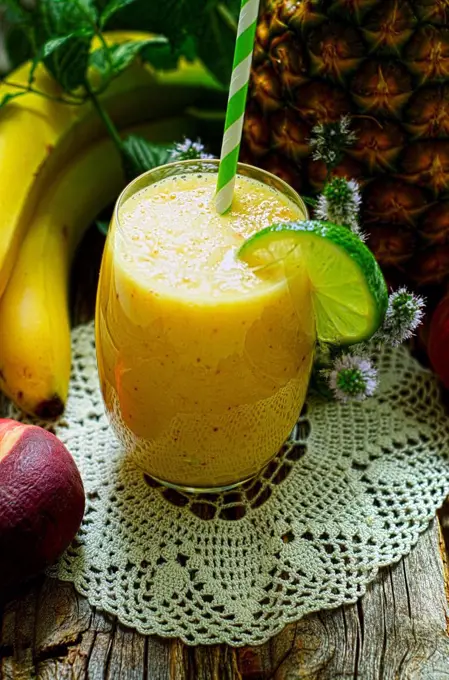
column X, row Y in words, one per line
column 282, row 184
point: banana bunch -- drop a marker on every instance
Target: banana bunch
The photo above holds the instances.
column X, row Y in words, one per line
column 59, row 171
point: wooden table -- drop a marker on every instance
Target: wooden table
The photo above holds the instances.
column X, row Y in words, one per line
column 397, row 631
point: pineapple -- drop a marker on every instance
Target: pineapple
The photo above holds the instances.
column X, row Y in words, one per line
column 386, row 63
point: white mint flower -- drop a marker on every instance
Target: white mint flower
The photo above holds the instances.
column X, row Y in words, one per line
column 352, row 377
column 329, row 140
column 188, row 149
column 404, row 314
column 340, row 203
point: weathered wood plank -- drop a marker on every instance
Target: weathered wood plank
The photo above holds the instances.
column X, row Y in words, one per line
column 127, row 655
column 157, row 655
column 397, row 631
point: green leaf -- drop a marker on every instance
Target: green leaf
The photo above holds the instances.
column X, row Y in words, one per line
column 111, row 8
column 55, row 18
column 216, row 40
column 68, row 63
column 112, row 61
column 73, row 23
column 83, row 11
column 52, row 45
column 123, row 55
column 57, row 47
column 209, row 25
column 173, row 18
column 164, row 57
column 139, row 155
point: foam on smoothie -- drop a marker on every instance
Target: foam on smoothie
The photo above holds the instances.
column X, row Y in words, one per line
column 173, row 238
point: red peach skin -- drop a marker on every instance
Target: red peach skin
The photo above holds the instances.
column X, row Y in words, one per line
column 41, row 500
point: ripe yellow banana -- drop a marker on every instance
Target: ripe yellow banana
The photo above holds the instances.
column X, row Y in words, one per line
column 35, row 352
column 38, row 135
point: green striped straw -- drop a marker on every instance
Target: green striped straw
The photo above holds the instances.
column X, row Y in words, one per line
column 235, row 112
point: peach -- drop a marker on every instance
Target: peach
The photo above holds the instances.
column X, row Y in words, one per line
column 41, row 500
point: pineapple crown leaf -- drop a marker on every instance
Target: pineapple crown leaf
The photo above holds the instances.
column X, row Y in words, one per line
column 404, row 314
column 340, row 203
column 328, row 141
column 187, row 150
column 351, row 377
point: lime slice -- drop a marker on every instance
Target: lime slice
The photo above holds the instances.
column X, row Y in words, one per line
column 348, row 289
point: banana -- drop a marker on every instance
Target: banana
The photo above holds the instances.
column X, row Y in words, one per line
column 38, row 135
column 35, row 349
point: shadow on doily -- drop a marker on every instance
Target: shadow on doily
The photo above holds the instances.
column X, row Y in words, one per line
column 234, row 504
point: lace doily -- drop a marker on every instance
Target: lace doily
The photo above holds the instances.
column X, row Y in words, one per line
column 348, row 494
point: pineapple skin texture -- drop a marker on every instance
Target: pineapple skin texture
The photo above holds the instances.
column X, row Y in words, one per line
column 386, row 64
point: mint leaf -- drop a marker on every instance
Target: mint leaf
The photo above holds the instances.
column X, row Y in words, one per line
column 61, row 49
column 52, row 45
column 163, row 57
column 115, row 59
column 111, row 8
column 209, row 25
column 139, row 155
column 68, row 63
column 73, row 23
column 216, row 39
column 84, row 10
column 55, row 18
column 173, row 18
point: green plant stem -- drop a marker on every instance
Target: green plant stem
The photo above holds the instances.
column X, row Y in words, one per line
column 76, row 101
column 105, row 46
column 98, row 32
column 109, row 125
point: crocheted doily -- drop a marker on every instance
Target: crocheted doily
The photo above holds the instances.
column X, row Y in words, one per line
column 349, row 493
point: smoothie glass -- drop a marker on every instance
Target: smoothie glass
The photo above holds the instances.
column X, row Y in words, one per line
column 204, row 363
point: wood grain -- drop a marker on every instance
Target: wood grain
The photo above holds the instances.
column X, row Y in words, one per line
column 397, row 631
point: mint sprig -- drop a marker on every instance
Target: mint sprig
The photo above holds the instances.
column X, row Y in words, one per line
column 208, row 27
column 60, row 35
column 192, row 28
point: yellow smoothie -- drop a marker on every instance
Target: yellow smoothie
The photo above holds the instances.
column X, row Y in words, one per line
column 204, row 363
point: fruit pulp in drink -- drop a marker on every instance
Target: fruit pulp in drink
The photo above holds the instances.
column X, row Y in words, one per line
column 204, row 362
